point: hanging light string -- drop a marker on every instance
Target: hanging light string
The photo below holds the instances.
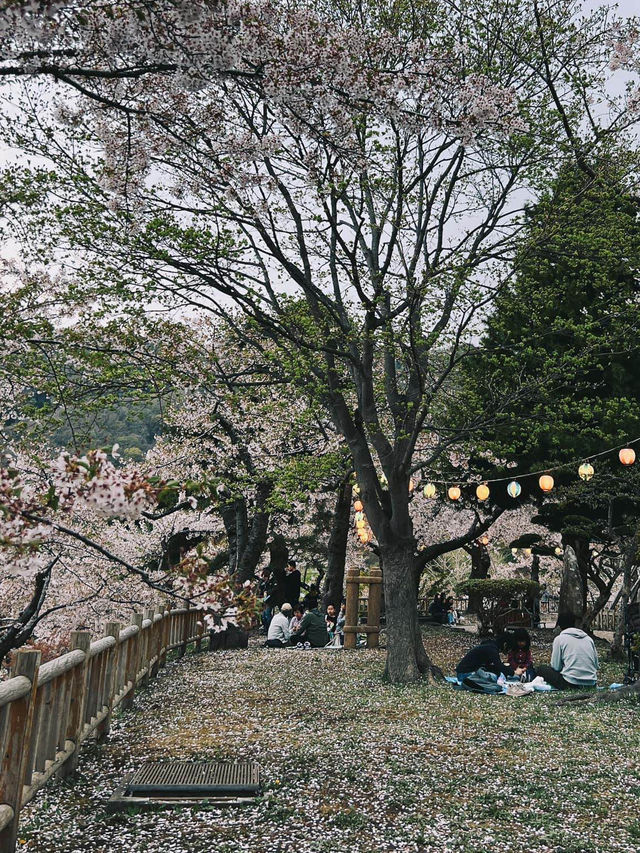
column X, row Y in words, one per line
column 521, row 476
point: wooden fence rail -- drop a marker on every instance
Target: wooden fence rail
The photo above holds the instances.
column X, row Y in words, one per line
column 48, row 710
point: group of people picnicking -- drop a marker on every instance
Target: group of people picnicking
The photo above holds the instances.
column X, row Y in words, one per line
column 574, row 660
column 306, row 627
column 288, row 621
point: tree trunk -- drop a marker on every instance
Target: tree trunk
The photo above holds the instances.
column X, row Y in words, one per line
column 256, row 540
column 572, row 592
column 22, row 629
column 582, row 555
column 279, row 557
column 480, row 565
column 230, row 512
column 407, row 659
column 337, row 548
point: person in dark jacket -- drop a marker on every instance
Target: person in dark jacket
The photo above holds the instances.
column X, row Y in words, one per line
column 312, row 629
column 292, row 582
column 487, row 656
column 436, row 609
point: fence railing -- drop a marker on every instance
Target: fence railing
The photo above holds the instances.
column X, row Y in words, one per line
column 48, row 710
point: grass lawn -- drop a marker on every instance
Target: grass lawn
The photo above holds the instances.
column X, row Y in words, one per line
column 353, row 765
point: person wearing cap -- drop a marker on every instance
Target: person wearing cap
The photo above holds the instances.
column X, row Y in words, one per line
column 279, row 633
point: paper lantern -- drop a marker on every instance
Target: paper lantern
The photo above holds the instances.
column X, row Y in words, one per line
column 454, row 493
column 514, row 552
column 356, row 489
column 546, row 482
column 429, row 491
column 363, row 536
column 412, row 484
column 358, row 506
column 585, row 471
column 360, row 525
column 482, row 492
column 627, row 456
column 514, row 488
column 485, row 539
column 526, row 552
column 383, row 481
column 359, row 516
column 557, row 550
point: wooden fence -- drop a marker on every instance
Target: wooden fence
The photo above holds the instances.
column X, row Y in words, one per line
column 47, row 711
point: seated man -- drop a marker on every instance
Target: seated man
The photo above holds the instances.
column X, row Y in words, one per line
column 487, row 656
column 574, row 659
column 279, row 633
column 313, row 628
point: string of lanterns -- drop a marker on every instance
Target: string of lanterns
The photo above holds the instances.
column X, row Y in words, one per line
column 626, row 455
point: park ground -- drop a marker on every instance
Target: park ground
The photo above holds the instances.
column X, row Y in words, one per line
column 352, row 764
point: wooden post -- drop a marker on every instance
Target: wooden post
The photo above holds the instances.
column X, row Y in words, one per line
column 133, row 662
column 165, row 634
column 182, row 650
column 373, row 608
column 148, row 644
column 158, row 631
column 351, row 615
column 111, row 629
column 75, row 721
column 16, row 743
column 200, row 633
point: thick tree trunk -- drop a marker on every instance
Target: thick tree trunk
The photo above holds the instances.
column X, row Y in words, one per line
column 230, row 512
column 572, row 592
column 407, row 659
column 582, row 555
column 337, row 548
column 480, row 565
column 256, row 539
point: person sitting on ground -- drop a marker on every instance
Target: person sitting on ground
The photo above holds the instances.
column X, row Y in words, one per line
column 519, row 656
column 313, row 628
column 331, row 618
column 279, row 631
column 574, row 659
column 449, row 609
column 298, row 613
column 487, row 656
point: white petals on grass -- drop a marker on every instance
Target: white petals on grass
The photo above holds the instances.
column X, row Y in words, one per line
column 352, row 764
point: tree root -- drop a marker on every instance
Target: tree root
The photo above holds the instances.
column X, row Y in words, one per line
column 632, row 692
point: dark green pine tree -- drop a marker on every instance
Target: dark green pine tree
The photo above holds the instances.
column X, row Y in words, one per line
column 558, row 368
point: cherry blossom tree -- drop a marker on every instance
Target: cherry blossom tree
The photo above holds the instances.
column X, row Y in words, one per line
column 352, row 180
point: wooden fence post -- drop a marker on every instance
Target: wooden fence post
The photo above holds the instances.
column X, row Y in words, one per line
column 351, row 614
column 16, row 742
column 373, row 607
column 75, row 721
column 148, row 644
column 133, row 662
column 165, row 634
column 200, row 633
column 111, row 629
column 182, row 650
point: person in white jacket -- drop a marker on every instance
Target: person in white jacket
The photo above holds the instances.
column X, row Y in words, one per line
column 574, row 659
column 279, row 633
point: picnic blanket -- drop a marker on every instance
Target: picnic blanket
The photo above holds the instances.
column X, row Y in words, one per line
column 494, row 685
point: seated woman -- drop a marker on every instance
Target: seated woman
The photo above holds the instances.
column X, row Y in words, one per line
column 452, row 615
column 519, row 656
column 487, row 656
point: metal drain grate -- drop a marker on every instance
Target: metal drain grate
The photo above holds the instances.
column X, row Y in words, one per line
column 188, row 783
